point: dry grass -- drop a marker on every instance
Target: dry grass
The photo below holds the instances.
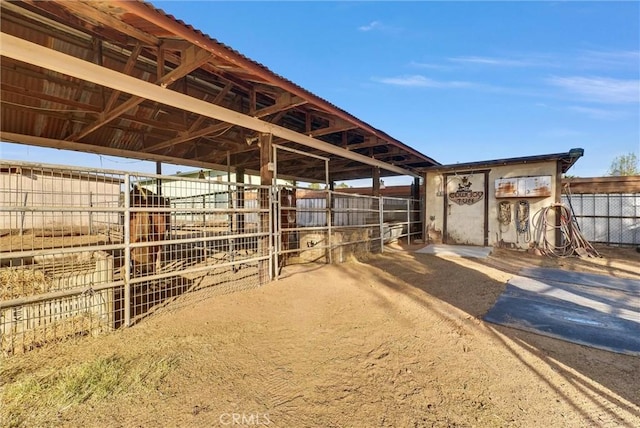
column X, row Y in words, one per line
column 19, row 282
column 83, row 324
column 41, row 398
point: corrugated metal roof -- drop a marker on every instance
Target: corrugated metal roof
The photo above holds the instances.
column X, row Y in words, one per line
column 65, row 108
column 567, row 160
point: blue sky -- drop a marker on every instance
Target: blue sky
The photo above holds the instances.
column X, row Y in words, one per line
column 458, row 81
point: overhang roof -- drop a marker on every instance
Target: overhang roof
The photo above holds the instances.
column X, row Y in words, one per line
column 82, row 105
column 566, row 161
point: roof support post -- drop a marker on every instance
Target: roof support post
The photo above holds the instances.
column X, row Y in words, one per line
column 416, row 216
column 265, row 267
column 240, row 199
column 376, row 181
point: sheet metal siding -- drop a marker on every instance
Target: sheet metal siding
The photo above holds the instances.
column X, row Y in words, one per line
column 306, row 216
column 40, row 189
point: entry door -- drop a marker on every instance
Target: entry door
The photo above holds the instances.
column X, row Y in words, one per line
column 466, row 209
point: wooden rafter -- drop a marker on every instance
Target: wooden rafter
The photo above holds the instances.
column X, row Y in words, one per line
column 368, row 142
column 191, row 135
column 104, row 20
column 193, row 58
column 119, row 29
column 128, row 68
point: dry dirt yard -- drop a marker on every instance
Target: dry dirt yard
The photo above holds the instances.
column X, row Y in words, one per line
column 394, row 340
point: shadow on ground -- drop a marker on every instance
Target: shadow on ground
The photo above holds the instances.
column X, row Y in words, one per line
column 473, row 285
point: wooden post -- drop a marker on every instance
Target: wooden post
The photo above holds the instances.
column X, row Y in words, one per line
column 266, row 179
column 376, row 181
column 159, row 182
column 416, row 216
column 557, row 200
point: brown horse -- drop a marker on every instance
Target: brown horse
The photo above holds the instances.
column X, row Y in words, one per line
column 147, row 227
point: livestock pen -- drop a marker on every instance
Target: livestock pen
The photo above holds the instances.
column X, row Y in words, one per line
column 84, row 251
column 70, row 250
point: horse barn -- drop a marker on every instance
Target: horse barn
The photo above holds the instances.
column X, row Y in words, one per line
column 86, row 250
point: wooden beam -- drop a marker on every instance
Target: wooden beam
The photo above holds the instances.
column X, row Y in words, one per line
column 368, row 142
column 331, row 129
column 128, row 68
column 193, row 59
column 284, row 103
column 103, row 150
column 266, row 178
column 160, row 57
column 32, row 53
column 217, row 100
column 102, row 19
column 193, row 134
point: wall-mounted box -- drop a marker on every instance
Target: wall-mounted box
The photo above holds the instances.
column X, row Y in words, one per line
column 523, row 187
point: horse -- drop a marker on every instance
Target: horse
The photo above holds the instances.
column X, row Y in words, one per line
column 147, row 227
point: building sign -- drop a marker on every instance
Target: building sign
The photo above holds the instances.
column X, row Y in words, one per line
column 464, row 195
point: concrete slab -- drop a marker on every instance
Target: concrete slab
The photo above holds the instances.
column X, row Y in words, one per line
column 456, row 251
column 597, row 316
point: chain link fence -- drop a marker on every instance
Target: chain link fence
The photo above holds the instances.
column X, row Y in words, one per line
column 609, row 218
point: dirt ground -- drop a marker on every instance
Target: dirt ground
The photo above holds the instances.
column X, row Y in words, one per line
column 394, row 340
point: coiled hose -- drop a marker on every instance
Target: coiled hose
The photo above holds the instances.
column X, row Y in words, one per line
column 572, row 240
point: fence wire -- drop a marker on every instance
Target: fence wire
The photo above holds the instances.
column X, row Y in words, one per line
column 84, row 251
column 609, row 218
column 325, row 225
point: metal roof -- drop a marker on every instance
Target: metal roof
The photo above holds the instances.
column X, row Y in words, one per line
column 566, row 161
column 42, row 106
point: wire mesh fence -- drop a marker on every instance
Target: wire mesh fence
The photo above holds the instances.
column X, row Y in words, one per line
column 607, row 218
column 59, row 246
column 85, row 251
column 330, row 226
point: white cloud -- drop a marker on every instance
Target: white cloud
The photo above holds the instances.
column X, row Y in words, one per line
column 561, row 133
column 591, row 112
column 429, row 66
column 610, row 59
column 498, row 62
column 423, row 82
column 600, row 89
column 371, row 26
column 598, row 113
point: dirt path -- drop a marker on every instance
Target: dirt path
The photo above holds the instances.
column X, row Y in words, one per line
column 392, row 341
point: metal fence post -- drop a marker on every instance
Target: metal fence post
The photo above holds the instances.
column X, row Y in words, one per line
column 409, row 221
column 329, row 226
column 127, row 250
column 381, row 217
column 90, row 214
